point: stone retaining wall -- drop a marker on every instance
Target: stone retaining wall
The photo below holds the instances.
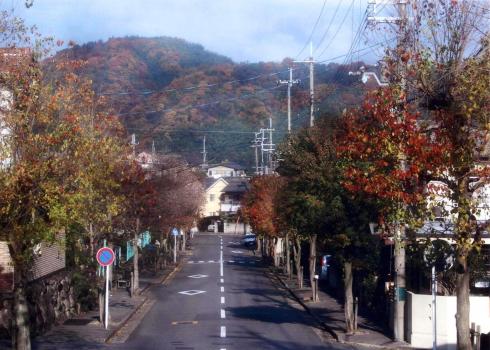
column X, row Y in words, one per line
column 51, row 300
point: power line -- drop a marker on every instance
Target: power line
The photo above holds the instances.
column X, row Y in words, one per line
column 328, row 27
column 313, row 30
column 198, row 105
column 189, row 88
column 353, row 52
column 357, row 37
column 338, row 29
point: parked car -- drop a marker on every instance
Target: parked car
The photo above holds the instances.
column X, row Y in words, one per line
column 249, row 240
column 211, row 228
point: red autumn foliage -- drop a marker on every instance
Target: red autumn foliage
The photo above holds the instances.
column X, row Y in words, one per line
column 259, row 204
column 376, row 138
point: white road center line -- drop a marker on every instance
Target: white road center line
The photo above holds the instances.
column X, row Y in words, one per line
column 223, row 332
column 222, row 300
column 222, row 289
column 221, row 280
column 221, row 263
column 223, row 313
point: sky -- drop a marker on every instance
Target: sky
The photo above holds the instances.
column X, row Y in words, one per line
column 244, row 30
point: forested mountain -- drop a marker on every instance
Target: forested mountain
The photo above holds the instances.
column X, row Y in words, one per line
column 173, row 92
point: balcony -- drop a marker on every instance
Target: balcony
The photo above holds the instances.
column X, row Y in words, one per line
column 229, row 207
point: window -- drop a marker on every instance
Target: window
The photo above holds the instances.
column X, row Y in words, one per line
column 211, row 197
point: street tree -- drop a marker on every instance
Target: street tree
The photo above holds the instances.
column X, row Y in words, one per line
column 260, row 208
column 311, row 162
column 308, row 166
column 445, row 58
column 41, row 119
column 386, row 156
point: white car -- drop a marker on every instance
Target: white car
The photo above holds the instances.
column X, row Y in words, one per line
column 211, row 228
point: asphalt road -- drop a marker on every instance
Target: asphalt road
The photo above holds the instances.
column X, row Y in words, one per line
column 223, row 299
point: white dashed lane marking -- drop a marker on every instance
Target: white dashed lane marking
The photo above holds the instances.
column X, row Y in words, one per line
column 223, row 332
column 222, row 289
column 223, row 313
column 222, row 300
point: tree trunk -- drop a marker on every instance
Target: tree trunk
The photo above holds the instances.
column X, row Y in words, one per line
column 297, row 261
column 21, row 335
column 348, row 298
column 101, row 304
column 183, row 240
column 136, row 257
column 91, row 240
column 312, row 266
column 288, row 255
column 463, row 303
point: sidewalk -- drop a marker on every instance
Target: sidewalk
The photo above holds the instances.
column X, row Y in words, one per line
column 330, row 313
column 86, row 332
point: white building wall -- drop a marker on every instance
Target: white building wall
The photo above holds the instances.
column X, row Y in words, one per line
column 419, row 322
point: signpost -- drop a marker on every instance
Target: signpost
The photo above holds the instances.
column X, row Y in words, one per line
column 175, row 233
column 105, row 257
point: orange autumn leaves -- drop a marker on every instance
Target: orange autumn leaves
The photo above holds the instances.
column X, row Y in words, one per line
column 260, row 204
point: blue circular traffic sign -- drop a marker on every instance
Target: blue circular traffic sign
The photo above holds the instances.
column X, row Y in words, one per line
column 105, row 256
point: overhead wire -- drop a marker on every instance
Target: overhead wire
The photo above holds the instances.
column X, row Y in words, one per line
column 194, row 87
column 154, row 128
column 313, row 29
column 327, row 30
column 338, row 29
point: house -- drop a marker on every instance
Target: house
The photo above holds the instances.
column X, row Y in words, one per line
column 222, row 205
column 48, row 259
column 226, row 169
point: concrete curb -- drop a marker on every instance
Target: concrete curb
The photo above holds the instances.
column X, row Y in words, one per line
column 302, row 303
column 132, row 313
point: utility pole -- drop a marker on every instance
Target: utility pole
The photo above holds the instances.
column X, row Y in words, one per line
column 133, row 144
column 399, row 255
column 255, row 145
column 290, row 83
column 267, row 149
column 311, row 62
column 204, row 153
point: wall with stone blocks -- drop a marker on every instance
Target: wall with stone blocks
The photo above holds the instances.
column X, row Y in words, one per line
column 51, row 300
